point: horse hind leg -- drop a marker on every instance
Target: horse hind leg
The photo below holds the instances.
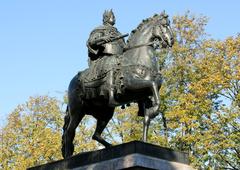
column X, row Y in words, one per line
column 65, row 126
column 102, row 122
column 72, row 119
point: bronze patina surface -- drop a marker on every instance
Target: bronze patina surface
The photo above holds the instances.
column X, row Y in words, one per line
column 119, row 73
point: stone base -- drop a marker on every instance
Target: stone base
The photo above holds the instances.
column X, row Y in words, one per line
column 134, row 155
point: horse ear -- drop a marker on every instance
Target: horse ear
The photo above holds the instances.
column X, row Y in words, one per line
column 164, row 14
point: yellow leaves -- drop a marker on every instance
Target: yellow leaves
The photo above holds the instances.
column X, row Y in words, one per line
column 232, row 46
column 128, row 124
column 189, row 27
column 29, row 134
column 200, row 76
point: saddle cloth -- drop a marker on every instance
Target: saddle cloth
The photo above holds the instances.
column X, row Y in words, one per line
column 98, row 69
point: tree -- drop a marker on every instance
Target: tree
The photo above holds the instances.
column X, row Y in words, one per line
column 33, row 133
column 199, row 76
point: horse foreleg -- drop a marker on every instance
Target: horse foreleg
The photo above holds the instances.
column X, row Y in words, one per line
column 145, row 127
column 133, row 83
column 153, row 111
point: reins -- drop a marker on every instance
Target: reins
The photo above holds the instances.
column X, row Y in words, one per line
column 138, row 46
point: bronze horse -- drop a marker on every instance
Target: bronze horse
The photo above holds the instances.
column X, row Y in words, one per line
column 137, row 79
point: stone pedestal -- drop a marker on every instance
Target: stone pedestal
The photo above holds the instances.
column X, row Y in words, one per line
column 134, row 155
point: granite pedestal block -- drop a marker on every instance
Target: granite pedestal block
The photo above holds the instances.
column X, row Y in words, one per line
column 134, row 155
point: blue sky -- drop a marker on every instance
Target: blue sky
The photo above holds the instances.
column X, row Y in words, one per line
column 43, row 42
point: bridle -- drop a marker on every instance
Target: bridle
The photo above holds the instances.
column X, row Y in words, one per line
column 157, row 40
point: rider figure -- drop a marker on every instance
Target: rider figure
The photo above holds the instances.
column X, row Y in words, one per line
column 105, row 33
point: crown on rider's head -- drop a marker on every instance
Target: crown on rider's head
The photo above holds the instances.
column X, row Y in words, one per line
column 107, row 14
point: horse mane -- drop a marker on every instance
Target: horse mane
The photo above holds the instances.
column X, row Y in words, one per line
column 139, row 27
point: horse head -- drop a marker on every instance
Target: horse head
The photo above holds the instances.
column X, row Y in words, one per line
column 162, row 31
column 154, row 31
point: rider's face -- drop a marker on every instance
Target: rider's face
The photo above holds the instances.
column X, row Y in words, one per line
column 111, row 20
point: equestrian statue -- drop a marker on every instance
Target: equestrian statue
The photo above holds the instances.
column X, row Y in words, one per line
column 119, row 73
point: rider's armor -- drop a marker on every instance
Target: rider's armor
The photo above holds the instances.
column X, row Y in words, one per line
column 107, row 49
column 103, row 42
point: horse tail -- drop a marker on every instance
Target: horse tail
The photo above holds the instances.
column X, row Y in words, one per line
column 65, row 126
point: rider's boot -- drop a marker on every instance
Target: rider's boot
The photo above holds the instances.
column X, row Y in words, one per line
column 112, row 101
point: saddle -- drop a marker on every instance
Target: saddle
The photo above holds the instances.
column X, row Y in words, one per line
column 94, row 78
column 99, row 68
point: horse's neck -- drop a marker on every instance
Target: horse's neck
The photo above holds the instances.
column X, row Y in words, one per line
column 139, row 52
column 141, row 37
